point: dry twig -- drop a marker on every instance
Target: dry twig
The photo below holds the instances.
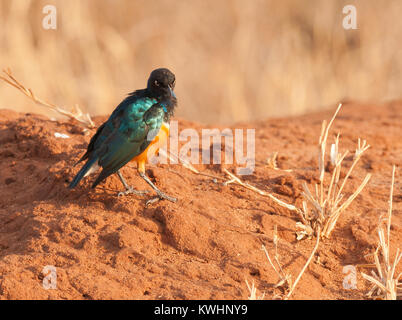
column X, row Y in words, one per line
column 75, row 113
column 246, row 185
column 271, row 162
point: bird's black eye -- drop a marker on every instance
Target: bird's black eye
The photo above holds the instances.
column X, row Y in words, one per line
column 156, row 83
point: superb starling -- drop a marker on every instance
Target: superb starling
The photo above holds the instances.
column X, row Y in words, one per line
column 136, row 130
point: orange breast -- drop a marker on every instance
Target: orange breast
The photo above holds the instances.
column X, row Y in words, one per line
column 153, row 147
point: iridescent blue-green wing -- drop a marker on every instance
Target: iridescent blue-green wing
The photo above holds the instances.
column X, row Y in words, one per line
column 135, row 100
column 131, row 136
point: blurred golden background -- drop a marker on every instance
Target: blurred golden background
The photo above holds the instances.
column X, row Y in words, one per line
column 234, row 60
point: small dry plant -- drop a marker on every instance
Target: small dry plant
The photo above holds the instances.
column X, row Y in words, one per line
column 285, row 279
column 75, row 113
column 385, row 283
column 327, row 200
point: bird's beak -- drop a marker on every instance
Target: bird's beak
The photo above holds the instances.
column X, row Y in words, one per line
column 172, row 93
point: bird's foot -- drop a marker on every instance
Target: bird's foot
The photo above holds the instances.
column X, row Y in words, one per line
column 161, row 196
column 131, row 190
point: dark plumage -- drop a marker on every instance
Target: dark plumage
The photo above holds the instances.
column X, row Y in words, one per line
column 126, row 134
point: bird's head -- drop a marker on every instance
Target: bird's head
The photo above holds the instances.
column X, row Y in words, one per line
column 161, row 83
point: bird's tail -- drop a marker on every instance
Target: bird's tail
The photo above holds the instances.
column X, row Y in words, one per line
column 84, row 170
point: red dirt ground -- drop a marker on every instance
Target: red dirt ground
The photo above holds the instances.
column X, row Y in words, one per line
column 205, row 245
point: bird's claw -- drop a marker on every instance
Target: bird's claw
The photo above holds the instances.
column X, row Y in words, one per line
column 131, row 190
column 161, row 196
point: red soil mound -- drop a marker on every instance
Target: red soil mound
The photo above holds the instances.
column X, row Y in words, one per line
column 205, row 245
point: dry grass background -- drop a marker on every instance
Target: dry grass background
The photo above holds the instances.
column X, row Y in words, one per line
column 234, row 60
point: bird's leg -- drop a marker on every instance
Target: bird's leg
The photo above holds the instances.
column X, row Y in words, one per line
column 129, row 189
column 161, row 195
